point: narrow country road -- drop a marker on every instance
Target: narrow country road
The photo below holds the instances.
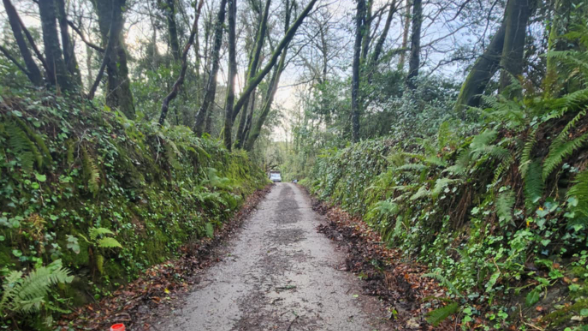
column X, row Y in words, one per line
column 278, row 274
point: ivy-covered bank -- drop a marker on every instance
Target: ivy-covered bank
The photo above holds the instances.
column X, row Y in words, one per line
column 90, row 194
column 500, row 217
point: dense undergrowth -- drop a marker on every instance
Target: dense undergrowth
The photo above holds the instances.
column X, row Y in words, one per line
column 89, row 194
column 500, row 217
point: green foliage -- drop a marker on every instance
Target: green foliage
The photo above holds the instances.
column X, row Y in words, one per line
column 559, row 151
column 440, row 314
column 504, row 204
column 72, row 177
column 28, row 294
column 580, row 192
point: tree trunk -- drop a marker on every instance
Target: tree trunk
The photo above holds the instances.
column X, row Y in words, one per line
column 232, row 74
column 366, row 29
column 375, row 57
column 69, row 55
column 254, row 60
column 272, row 88
column 172, row 29
column 255, row 80
column 405, row 35
column 414, row 60
column 481, row 73
column 118, row 86
column 57, row 74
column 178, row 84
column 33, row 72
column 517, row 17
column 210, row 93
column 359, row 22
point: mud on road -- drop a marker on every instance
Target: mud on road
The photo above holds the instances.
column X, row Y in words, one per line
column 279, row 273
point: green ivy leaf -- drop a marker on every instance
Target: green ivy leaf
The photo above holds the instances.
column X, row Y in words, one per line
column 41, row 178
column 532, row 298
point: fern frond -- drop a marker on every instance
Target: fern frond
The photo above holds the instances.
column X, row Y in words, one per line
column 440, row 314
column 534, row 184
column 559, row 152
column 108, row 242
column 422, row 192
column 562, row 137
column 91, row 172
column 504, row 204
column 441, row 184
column 96, row 232
column 23, row 148
column 580, row 192
column 526, row 154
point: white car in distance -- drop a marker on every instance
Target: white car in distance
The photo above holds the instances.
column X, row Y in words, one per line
column 275, row 177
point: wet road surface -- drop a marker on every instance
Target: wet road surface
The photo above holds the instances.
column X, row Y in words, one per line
column 278, row 274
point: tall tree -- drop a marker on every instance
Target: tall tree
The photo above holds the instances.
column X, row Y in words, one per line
column 260, row 75
column 253, row 131
column 517, row 18
column 69, row 55
column 232, row 74
column 252, row 68
column 405, row 31
column 32, row 70
column 514, row 25
column 118, row 86
column 172, row 29
column 57, row 74
column 414, row 60
column 180, row 81
column 355, row 104
column 207, row 103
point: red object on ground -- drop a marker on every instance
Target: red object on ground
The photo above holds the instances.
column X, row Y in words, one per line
column 117, row 327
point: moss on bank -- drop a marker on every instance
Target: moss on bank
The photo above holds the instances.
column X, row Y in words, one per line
column 67, row 167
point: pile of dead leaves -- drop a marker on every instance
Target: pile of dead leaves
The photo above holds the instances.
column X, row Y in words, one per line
column 134, row 303
column 386, row 273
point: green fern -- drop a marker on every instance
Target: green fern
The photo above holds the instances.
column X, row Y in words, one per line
column 534, row 184
column 441, row 184
column 23, row 148
column 108, row 243
column 558, row 152
column 96, row 232
column 580, row 192
column 527, row 150
column 28, row 294
column 562, row 137
column 440, row 314
column 91, row 172
column 504, row 204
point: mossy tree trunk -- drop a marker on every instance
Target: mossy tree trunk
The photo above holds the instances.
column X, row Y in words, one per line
column 118, row 86
column 172, row 29
column 516, row 16
column 57, row 74
column 232, row 73
column 207, row 103
column 254, row 81
column 355, row 79
column 414, row 60
column 251, row 70
column 479, row 76
column 405, row 32
column 69, row 55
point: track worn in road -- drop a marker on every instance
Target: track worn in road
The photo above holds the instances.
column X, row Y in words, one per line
column 279, row 273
